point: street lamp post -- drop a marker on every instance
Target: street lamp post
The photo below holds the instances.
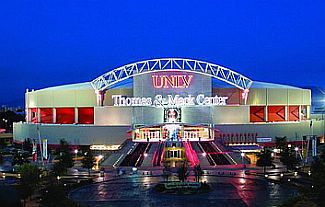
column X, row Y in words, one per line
column 98, row 158
column 76, row 153
column 242, row 154
column 296, row 150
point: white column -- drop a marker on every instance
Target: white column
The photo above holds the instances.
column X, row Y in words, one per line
column 299, row 113
column 38, row 115
column 266, row 114
column 54, row 115
column 28, row 115
column 75, row 115
column 286, row 113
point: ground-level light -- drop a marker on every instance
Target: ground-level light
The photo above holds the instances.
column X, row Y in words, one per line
column 98, row 158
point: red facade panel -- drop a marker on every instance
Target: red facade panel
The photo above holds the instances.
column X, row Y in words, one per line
column 276, row 113
column 46, row 115
column 293, row 113
column 257, row 114
column 33, row 115
column 65, row 115
column 86, row 115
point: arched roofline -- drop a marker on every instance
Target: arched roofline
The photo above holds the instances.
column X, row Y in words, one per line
column 124, row 72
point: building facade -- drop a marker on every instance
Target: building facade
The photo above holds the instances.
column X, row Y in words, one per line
column 145, row 100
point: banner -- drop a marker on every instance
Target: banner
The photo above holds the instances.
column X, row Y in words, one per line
column 34, row 151
column 44, row 144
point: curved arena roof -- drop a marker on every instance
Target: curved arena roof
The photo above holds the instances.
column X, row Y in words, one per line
column 122, row 77
column 128, row 84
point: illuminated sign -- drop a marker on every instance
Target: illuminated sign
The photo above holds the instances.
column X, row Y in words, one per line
column 105, row 147
column 177, row 100
column 263, row 139
column 172, row 115
column 171, row 81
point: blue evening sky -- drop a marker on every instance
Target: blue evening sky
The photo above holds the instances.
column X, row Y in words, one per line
column 49, row 42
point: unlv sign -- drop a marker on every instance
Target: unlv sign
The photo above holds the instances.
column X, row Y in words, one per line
column 171, row 81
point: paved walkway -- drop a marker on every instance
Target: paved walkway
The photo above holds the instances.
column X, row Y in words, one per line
column 137, row 190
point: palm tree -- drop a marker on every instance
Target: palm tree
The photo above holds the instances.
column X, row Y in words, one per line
column 198, row 172
column 281, row 142
column 288, row 158
column 64, row 156
column 183, row 172
column 166, row 171
column 264, row 159
column 88, row 161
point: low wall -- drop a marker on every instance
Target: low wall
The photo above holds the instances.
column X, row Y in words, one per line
column 74, row 134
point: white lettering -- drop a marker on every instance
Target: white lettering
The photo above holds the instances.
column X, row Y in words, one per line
column 170, row 100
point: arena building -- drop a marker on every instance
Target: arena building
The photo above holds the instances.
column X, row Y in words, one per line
column 153, row 100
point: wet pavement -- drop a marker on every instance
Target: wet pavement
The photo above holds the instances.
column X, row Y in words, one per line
column 227, row 191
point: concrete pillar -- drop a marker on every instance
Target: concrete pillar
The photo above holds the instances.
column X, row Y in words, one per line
column 38, row 115
column 54, row 115
column 265, row 114
column 27, row 115
column 308, row 112
column 299, row 113
column 286, row 113
column 75, row 115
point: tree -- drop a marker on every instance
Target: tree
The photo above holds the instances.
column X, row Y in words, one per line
column 29, row 174
column 288, row 158
column 166, row 171
column 65, row 158
column 11, row 117
column 264, row 159
column 183, row 172
column 198, row 172
column 27, row 145
column 19, row 159
column 88, row 161
column 318, row 176
column 3, row 144
column 59, row 168
column 281, row 143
